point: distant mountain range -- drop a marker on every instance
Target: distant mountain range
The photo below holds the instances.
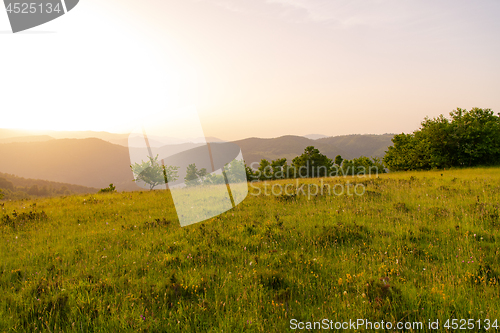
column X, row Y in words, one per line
column 23, row 134
column 12, row 135
column 31, row 138
column 97, row 162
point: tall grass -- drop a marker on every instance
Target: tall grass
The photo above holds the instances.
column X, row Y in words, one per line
column 416, row 246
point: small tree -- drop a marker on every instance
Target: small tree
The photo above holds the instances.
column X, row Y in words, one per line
column 250, row 173
column 212, row 179
column 338, row 160
column 194, row 176
column 236, row 171
column 265, row 170
column 109, row 189
column 152, row 173
column 313, row 163
column 280, row 168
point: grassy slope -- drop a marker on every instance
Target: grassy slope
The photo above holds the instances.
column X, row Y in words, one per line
column 99, row 263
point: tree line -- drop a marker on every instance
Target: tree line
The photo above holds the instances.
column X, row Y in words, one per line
column 313, row 164
column 153, row 173
column 308, row 165
column 466, row 139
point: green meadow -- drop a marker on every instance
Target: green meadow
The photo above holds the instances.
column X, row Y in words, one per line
column 414, row 247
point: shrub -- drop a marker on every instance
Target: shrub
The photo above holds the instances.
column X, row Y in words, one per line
column 109, row 189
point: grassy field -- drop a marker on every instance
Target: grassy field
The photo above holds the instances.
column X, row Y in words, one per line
column 416, row 246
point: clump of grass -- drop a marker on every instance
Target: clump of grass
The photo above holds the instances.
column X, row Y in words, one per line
column 17, row 220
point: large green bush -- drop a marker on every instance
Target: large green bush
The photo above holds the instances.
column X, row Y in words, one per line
column 468, row 138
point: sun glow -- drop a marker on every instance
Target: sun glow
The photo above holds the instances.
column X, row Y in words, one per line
column 102, row 77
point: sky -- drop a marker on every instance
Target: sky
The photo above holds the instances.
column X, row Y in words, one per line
column 252, row 68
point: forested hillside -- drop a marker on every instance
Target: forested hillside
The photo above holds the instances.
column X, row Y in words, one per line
column 14, row 187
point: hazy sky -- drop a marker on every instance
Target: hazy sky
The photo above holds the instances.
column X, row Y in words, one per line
column 260, row 68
